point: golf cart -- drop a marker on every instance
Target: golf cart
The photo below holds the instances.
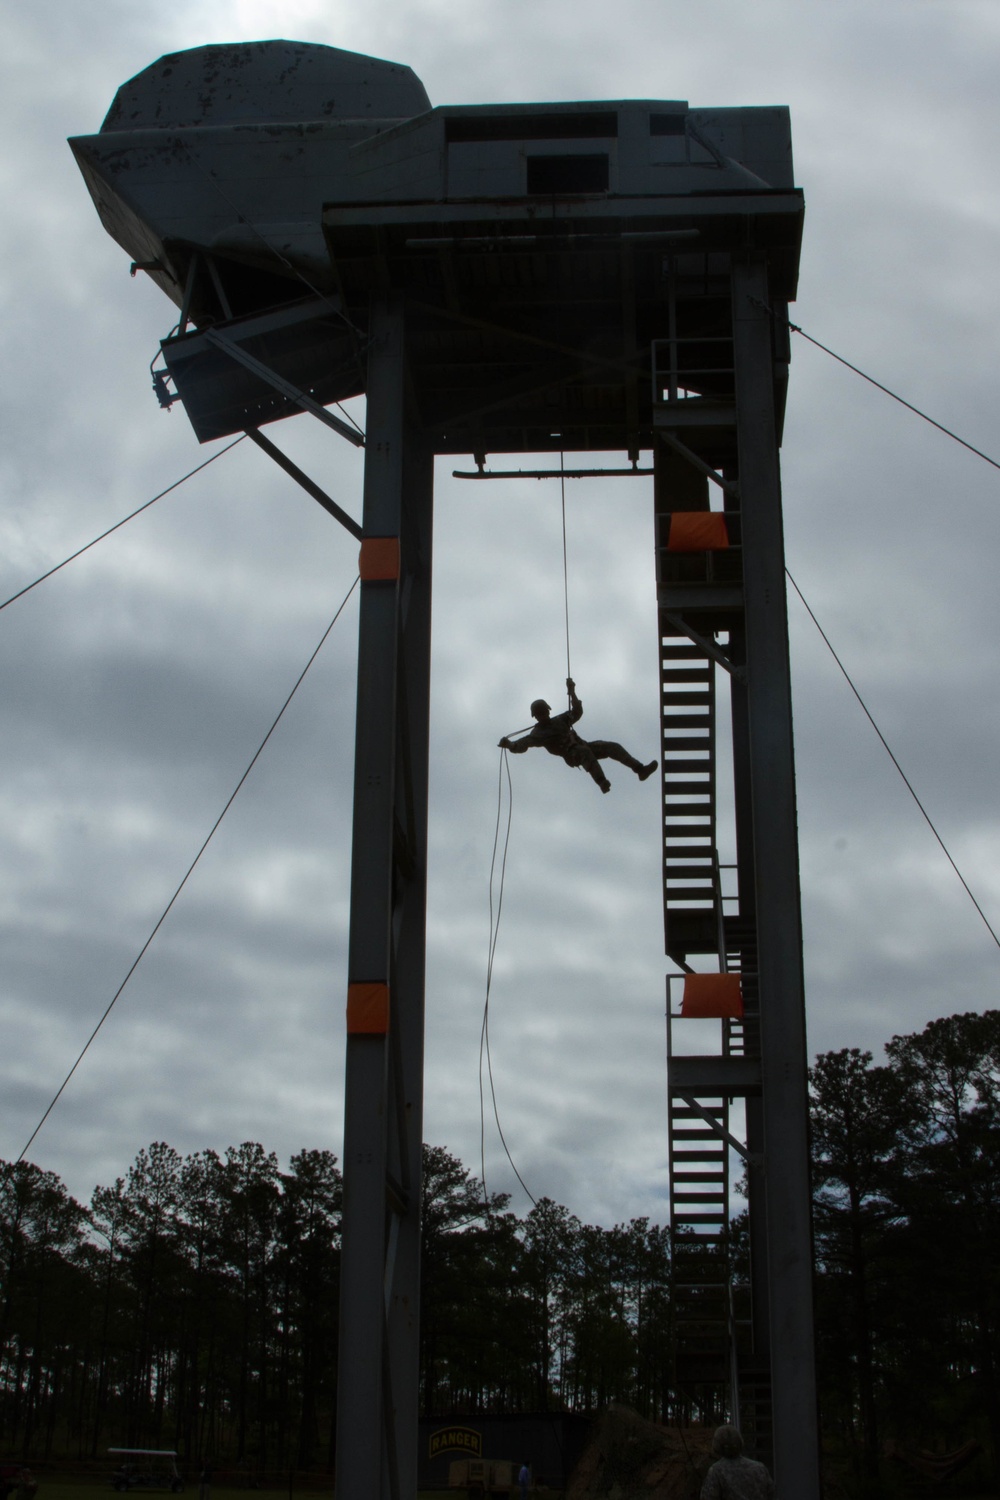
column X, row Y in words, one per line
column 146, row 1469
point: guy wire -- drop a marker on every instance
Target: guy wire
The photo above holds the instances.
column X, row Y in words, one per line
column 888, row 750
column 145, row 506
column 795, row 328
column 189, row 872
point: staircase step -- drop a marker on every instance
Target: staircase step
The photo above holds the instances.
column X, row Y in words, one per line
column 699, row 672
column 687, row 721
column 686, row 697
column 700, row 791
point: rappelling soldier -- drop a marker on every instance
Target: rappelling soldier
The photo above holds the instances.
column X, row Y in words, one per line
column 555, row 733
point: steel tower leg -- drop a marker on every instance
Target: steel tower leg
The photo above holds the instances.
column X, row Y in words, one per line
column 758, row 1363
column 378, row 1367
column 779, row 923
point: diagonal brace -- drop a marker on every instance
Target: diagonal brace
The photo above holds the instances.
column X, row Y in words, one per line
column 309, row 485
column 730, row 1140
column 285, row 387
column 704, row 644
column 727, row 486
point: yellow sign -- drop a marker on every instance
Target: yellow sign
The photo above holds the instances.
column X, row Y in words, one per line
column 455, row 1440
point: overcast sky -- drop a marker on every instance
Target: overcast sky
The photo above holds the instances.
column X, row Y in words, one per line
column 138, row 682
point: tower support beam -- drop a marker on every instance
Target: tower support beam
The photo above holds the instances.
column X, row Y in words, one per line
column 779, row 922
column 379, row 1294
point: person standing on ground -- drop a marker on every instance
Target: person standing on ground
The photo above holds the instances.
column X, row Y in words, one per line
column 733, row 1476
column 524, row 1479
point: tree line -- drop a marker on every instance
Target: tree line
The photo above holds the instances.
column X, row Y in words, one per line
column 192, row 1304
column 906, row 1204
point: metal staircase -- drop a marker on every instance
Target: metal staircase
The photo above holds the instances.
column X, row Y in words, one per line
column 721, row 1369
column 690, row 889
column 698, row 1152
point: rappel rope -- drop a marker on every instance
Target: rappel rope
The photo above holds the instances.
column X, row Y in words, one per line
column 484, row 1034
column 565, row 554
column 562, row 487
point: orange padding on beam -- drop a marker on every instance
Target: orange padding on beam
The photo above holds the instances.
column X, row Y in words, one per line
column 712, row 996
column 697, row 531
column 379, row 559
column 367, row 1009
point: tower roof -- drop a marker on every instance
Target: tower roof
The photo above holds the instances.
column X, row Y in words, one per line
column 236, row 83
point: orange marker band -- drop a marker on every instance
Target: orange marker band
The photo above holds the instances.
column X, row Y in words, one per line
column 379, row 560
column 697, row 531
column 708, row 996
column 367, row 1009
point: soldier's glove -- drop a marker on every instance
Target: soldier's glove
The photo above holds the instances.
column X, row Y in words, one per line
column 571, row 684
column 504, row 744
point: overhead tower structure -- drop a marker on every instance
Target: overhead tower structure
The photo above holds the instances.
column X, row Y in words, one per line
column 545, row 278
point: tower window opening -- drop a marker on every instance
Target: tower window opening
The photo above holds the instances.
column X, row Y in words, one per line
column 568, row 174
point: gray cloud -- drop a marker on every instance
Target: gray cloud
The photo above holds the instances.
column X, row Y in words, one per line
column 138, row 682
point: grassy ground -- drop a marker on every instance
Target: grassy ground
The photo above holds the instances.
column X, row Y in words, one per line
column 67, row 1488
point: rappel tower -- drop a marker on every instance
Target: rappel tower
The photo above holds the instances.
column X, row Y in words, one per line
column 538, row 278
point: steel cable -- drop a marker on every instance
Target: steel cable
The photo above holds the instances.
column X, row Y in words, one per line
column 190, row 870
column 81, row 550
column 885, row 745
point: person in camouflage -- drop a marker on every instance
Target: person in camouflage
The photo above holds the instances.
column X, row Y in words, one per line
column 555, row 733
column 733, row 1476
